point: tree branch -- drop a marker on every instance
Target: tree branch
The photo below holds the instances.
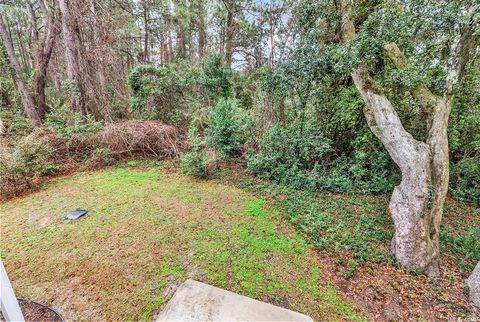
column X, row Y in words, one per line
column 421, row 92
column 379, row 112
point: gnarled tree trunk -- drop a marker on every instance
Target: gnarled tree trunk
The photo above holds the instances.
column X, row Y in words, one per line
column 416, row 205
column 414, row 244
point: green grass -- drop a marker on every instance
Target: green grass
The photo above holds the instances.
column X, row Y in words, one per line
column 148, row 230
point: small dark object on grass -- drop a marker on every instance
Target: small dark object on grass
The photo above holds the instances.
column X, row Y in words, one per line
column 74, row 215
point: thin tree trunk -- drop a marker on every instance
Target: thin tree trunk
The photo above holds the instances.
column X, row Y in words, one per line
column 229, row 31
column 162, row 49
column 145, row 27
column 202, row 34
column 181, row 38
column 100, row 66
column 69, row 30
column 33, row 21
column 2, row 127
column 272, row 21
column 170, row 41
column 27, row 100
column 23, row 53
column 258, row 50
column 229, row 37
column 44, row 53
column 181, row 29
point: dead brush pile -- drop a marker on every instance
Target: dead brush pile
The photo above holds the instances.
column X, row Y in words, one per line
column 142, row 138
column 70, row 152
column 27, row 162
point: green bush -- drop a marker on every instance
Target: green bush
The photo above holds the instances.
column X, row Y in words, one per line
column 373, row 172
column 465, row 180
column 291, row 155
column 70, row 126
column 226, row 128
column 193, row 162
column 157, row 92
column 142, row 79
column 15, row 124
column 215, row 78
column 336, row 177
column 22, row 167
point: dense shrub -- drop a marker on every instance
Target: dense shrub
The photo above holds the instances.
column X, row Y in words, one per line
column 215, row 78
column 225, row 132
column 143, row 81
column 15, row 125
column 337, row 176
column 464, row 123
column 291, row 155
column 9, row 96
column 371, row 168
column 68, row 125
column 23, row 166
column 465, row 180
column 194, row 161
column 173, row 92
column 157, row 92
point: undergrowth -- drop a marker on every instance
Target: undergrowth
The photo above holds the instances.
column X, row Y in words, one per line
column 357, row 226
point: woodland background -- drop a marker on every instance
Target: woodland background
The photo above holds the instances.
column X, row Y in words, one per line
column 263, row 83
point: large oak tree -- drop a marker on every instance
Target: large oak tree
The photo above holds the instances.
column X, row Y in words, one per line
column 416, row 205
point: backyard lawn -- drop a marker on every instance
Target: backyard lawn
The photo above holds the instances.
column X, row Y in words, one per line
column 147, row 231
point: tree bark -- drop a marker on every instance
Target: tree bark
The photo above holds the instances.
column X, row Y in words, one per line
column 181, row 29
column 145, row 27
column 26, row 98
column 412, row 243
column 100, row 66
column 230, row 31
column 202, row 34
column 70, row 29
column 26, row 58
column 43, row 55
column 2, row 127
column 33, row 20
column 181, row 39
column 473, row 284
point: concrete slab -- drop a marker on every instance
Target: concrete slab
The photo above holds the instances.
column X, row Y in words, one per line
column 195, row 301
